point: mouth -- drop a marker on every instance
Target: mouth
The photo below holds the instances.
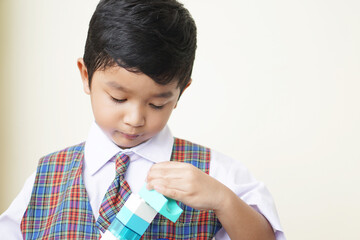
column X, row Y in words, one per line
column 130, row 136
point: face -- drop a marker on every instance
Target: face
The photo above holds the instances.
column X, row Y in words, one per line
column 129, row 107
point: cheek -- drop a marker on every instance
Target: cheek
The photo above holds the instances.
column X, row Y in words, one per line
column 159, row 120
column 103, row 110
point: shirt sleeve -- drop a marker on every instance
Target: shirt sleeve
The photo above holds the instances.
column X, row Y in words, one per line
column 10, row 220
column 237, row 177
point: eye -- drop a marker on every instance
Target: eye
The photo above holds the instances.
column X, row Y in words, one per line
column 118, row 100
column 156, row 106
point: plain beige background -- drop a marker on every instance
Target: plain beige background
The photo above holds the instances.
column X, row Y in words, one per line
column 275, row 85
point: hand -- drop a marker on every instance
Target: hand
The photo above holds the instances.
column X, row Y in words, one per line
column 187, row 184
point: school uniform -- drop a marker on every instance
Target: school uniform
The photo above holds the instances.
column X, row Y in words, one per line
column 94, row 173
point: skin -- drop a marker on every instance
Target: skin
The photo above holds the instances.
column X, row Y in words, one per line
column 188, row 184
column 131, row 108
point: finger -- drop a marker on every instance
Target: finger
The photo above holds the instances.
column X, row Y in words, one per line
column 167, row 171
column 168, row 190
column 177, row 183
column 171, row 168
column 164, row 174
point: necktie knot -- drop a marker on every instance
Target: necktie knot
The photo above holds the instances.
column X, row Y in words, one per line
column 122, row 163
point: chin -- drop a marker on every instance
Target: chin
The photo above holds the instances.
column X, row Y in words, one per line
column 127, row 144
column 124, row 142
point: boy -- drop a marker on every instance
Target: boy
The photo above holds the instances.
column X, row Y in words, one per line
column 138, row 61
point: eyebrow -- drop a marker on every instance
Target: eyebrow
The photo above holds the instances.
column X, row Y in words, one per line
column 163, row 95
column 117, row 86
column 121, row 88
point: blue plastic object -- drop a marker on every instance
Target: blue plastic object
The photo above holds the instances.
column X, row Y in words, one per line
column 165, row 206
column 132, row 221
column 122, row 232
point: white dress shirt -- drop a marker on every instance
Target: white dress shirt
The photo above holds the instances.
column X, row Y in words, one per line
column 99, row 172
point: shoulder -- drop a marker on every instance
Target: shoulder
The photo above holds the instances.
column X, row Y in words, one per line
column 226, row 169
column 185, row 144
column 186, row 151
column 230, row 171
column 226, row 163
column 222, row 167
column 62, row 155
column 183, row 149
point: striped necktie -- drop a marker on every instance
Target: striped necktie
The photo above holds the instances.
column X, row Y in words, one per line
column 116, row 195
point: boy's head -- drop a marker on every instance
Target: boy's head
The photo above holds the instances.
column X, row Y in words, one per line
column 138, row 60
column 153, row 37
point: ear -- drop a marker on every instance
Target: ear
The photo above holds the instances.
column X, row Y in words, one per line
column 187, row 85
column 84, row 75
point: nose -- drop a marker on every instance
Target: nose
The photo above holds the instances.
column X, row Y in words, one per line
column 135, row 116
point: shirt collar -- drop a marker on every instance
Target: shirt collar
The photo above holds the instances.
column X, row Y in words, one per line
column 99, row 149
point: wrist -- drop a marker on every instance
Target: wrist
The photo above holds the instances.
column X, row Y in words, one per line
column 225, row 201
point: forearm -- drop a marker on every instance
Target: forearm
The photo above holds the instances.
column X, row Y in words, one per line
column 241, row 221
column 189, row 185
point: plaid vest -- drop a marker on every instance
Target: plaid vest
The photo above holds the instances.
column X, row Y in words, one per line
column 59, row 207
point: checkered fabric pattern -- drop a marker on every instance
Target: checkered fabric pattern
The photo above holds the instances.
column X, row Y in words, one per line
column 192, row 224
column 117, row 194
column 59, row 207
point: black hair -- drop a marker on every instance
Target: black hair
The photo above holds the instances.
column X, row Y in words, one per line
column 153, row 37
